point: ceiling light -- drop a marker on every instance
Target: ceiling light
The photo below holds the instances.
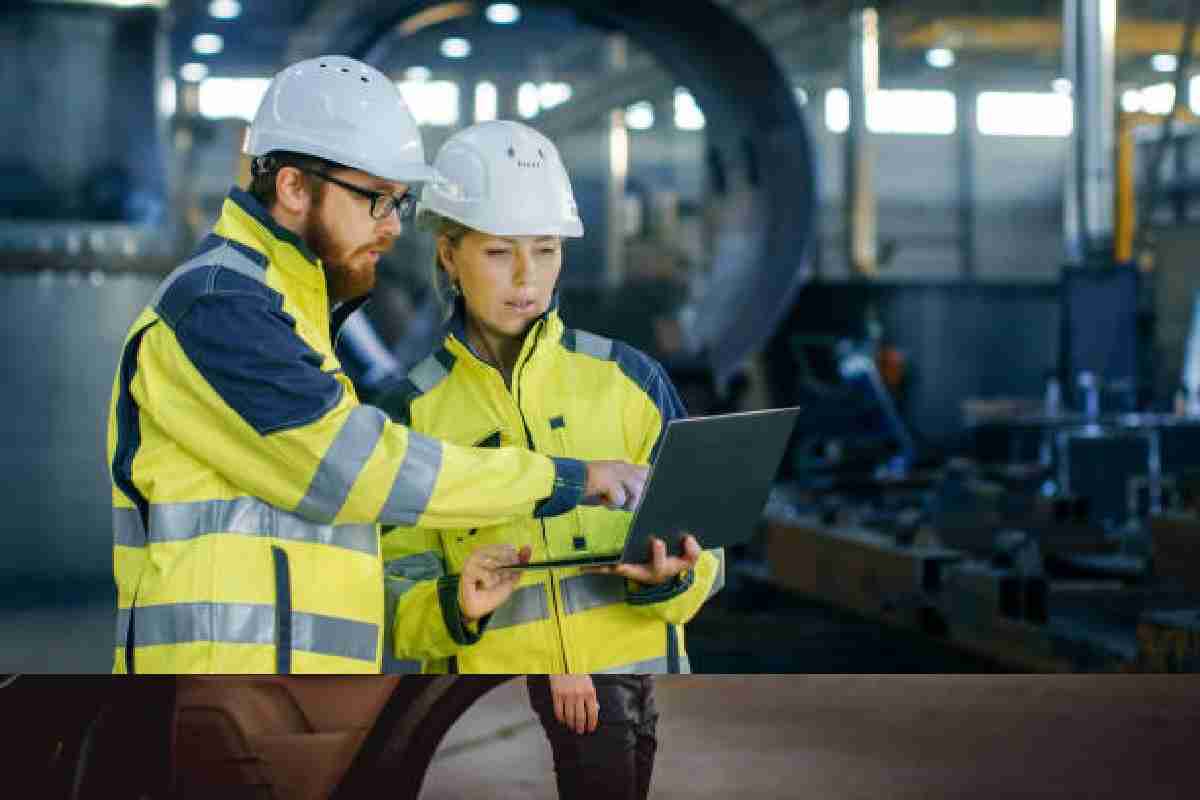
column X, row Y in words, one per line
column 1164, row 62
column 208, row 44
column 224, row 9
column 640, row 116
column 502, row 13
column 417, row 74
column 193, row 71
column 940, row 58
column 456, row 47
column 1061, row 85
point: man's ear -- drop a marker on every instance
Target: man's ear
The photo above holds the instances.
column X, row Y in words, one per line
column 291, row 190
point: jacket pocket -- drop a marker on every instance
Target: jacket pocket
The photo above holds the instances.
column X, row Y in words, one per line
column 283, row 611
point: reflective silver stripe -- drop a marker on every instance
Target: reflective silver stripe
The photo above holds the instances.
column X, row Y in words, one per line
column 590, row 590
column 122, row 633
column 400, row 666
column 175, row 522
column 127, row 527
column 527, row 604
column 592, row 345
column 428, row 374
column 719, row 580
column 318, row 633
column 414, row 482
column 651, row 666
column 177, row 623
column 418, row 567
column 343, row 462
column 224, row 255
column 244, row 623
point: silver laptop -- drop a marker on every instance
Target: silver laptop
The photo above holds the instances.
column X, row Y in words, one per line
column 711, row 479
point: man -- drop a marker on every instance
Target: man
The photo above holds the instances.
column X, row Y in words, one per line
column 247, row 479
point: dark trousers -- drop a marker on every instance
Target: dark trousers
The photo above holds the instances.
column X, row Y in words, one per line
column 615, row 761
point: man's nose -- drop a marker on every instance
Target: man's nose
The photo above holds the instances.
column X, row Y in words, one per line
column 390, row 225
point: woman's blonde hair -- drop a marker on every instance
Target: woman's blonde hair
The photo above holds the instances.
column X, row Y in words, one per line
column 454, row 232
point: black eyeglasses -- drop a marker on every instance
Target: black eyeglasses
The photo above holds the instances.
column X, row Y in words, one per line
column 382, row 203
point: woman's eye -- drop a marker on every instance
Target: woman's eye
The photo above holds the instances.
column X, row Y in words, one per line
column 498, row 252
column 549, row 251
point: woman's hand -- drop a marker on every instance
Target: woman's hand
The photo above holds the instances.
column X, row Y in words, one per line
column 484, row 584
column 661, row 567
column 575, row 703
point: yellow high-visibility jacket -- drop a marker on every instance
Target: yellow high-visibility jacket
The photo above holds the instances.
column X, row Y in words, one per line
column 248, row 481
column 573, row 393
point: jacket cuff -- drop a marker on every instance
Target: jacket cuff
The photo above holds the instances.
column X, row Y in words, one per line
column 570, row 480
column 661, row 593
column 447, row 587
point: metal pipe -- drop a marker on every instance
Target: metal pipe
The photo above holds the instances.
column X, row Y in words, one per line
column 862, row 83
column 1089, row 40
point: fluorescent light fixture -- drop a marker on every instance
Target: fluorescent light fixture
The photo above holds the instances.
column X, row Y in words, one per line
column 1061, row 86
column 431, row 102
column 193, row 71
column 801, row 95
column 1164, row 62
column 912, row 111
column 486, row 101
column 455, row 47
column 551, row 94
column 208, row 44
column 688, row 116
column 224, row 98
column 1158, row 98
column 1131, row 100
column 940, row 58
column 417, row 74
column 640, row 116
column 528, row 100
column 224, row 9
column 502, row 13
column 1024, row 114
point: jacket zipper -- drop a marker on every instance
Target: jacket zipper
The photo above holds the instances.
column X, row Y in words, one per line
column 516, row 393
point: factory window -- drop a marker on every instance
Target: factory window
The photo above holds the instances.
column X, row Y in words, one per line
column 1024, row 114
column 231, row 97
column 432, row 102
column 528, row 102
column 914, row 111
column 485, row 101
column 688, row 116
column 551, row 94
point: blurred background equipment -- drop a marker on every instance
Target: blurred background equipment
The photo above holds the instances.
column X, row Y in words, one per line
column 963, row 238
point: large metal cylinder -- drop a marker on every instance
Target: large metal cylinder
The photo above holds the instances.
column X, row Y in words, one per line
column 80, row 136
column 1089, row 39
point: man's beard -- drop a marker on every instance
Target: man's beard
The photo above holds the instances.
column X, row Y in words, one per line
column 344, row 282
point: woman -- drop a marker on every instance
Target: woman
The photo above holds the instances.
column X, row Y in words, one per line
column 509, row 373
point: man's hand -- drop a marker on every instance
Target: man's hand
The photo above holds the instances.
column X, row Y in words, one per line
column 575, row 703
column 615, row 484
column 484, row 584
column 661, row 567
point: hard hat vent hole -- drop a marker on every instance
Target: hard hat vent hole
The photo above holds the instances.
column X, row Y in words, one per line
column 345, row 69
column 364, row 79
column 322, row 66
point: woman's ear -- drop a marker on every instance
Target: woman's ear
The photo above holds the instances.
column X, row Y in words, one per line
column 445, row 249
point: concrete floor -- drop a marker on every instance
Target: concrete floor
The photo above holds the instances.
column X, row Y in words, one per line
column 869, row 737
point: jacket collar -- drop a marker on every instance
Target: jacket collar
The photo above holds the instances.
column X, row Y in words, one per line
column 244, row 220
column 547, row 326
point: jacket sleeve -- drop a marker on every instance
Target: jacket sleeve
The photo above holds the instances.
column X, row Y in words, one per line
column 423, row 616
column 229, row 380
column 677, row 600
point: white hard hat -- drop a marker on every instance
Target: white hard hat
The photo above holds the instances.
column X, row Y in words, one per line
column 505, row 179
column 344, row 111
